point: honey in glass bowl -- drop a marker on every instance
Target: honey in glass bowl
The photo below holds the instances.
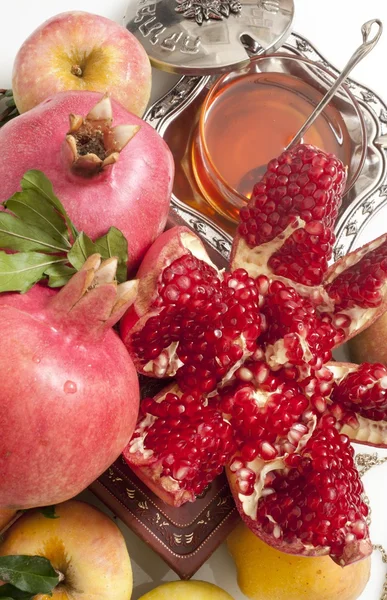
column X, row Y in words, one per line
column 250, row 116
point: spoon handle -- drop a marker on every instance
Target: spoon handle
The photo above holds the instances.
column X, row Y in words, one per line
column 358, row 55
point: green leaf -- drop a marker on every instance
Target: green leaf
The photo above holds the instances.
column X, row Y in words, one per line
column 35, row 210
column 59, row 274
column 83, row 247
column 36, row 180
column 19, row 272
column 10, row 592
column 48, row 512
column 19, row 236
column 32, row 574
column 113, row 243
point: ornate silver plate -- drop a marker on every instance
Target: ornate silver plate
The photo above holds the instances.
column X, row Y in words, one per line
column 364, row 213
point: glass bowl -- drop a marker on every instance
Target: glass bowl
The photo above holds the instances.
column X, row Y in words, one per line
column 249, row 116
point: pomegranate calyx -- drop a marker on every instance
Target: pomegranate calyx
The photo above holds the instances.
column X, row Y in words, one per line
column 92, row 301
column 91, row 144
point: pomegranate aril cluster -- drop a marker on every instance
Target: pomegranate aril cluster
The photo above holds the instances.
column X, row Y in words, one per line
column 186, row 288
column 222, row 336
column 305, row 254
column 362, row 283
column 190, row 439
column 295, row 321
column 268, row 419
column 364, row 392
column 303, row 182
column 214, row 321
column 317, row 499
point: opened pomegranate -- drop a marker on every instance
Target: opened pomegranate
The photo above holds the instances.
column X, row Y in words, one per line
column 189, row 319
column 69, row 391
column 104, row 175
column 181, row 443
column 291, row 410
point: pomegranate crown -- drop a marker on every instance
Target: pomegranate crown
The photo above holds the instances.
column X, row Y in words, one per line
column 92, row 144
column 92, row 300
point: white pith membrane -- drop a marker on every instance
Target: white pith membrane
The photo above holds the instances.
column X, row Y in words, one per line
column 136, row 444
column 366, row 431
column 167, row 363
column 277, row 357
column 97, row 124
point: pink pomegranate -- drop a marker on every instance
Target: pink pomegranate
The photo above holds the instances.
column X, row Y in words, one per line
column 291, row 410
column 105, row 176
column 69, row 390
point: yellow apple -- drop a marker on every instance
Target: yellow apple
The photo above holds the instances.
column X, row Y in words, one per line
column 267, row 574
column 82, row 51
column 187, row 590
column 83, row 544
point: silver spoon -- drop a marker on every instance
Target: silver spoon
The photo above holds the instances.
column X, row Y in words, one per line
column 358, row 55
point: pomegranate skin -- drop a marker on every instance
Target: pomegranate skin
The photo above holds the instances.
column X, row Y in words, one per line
column 133, row 195
column 69, row 394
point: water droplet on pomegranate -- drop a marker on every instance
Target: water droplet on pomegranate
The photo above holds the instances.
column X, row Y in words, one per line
column 70, row 387
column 36, row 358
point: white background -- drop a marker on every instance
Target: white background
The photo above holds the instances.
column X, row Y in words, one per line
column 333, row 26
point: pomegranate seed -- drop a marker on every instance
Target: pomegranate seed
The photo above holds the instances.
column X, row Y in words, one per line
column 262, row 420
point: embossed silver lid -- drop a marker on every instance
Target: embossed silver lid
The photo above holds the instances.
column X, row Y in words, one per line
column 202, row 37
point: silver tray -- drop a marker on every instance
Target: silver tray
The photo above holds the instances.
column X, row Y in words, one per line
column 365, row 206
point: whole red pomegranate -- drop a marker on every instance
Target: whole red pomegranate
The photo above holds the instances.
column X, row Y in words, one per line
column 104, row 175
column 69, row 391
column 292, row 411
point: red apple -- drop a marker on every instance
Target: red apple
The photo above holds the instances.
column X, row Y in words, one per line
column 82, row 51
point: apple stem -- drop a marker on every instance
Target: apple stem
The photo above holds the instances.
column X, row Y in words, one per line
column 61, row 577
column 76, row 70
